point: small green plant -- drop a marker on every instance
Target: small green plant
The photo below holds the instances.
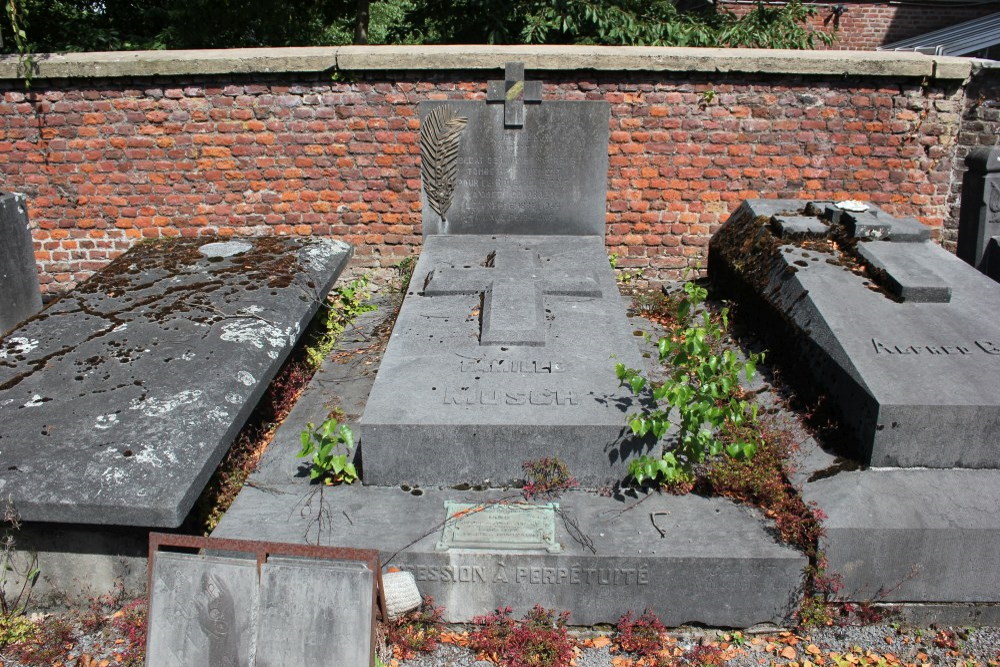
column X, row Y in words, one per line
column 330, row 447
column 704, row 388
column 405, row 271
column 706, row 97
column 625, row 276
column 547, row 476
column 347, row 302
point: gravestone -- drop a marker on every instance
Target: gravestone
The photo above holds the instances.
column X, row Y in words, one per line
column 979, row 217
column 19, row 292
column 202, row 611
column 895, row 331
column 314, row 612
column 504, row 350
column 118, row 401
column 902, row 337
column 218, row 610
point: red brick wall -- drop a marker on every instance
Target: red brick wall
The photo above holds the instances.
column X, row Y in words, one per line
column 106, row 163
column 868, row 25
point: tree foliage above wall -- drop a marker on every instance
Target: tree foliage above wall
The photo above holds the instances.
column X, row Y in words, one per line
column 101, row 25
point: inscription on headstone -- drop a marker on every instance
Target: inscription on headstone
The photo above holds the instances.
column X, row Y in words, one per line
column 20, row 297
column 513, row 526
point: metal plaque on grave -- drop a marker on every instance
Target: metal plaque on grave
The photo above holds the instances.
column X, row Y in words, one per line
column 509, row 526
column 203, row 610
column 314, row 612
column 523, row 165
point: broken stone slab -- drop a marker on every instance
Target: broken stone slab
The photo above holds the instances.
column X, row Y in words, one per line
column 118, row 401
column 873, row 223
column 906, row 536
column 689, row 558
column 789, row 226
column 917, row 384
column 20, row 296
column 513, row 361
column 907, row 270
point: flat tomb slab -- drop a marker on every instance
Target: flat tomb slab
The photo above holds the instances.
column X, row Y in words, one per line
column 917, row 382
column 118, row 401
column 687, row 557
column 504, row 352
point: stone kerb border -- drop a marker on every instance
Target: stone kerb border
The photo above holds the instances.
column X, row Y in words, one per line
column 465, row 57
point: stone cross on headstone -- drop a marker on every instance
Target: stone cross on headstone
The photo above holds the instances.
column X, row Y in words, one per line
column 509, row 279
column 514, row 91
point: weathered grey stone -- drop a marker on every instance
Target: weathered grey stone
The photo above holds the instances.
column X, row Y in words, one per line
column 689, row 558
column 917, row 383
column 314, row 612
column 202, row 610
column 898, row 535
column 979, row 217
column 907, row 273
column 991, row 259
column 118, row 401
column 548, row 176
column 800, row 225
column 456, row 400
column 20, row 296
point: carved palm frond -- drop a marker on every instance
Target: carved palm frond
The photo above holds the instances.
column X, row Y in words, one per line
column 440, row 135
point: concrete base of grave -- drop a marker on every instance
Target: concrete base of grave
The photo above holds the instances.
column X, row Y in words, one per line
column 77, row 562
column 691, row 559
column 928, row 537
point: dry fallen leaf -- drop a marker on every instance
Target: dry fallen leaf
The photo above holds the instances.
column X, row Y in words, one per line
column 788, row 653
column 596, row 642
column 812, row 649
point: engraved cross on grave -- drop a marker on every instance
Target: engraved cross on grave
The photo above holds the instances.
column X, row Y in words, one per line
column 513, row 283
column 514, row 92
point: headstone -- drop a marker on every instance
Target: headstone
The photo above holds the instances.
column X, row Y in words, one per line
column 314, row 612
column 899, row 334
column 979, row 217
column 202, row 611
column 213, row 610
column 20, row 296
column 118, row 401
column 520, row 166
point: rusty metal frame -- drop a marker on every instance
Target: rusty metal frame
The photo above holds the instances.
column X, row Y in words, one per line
column 262, row 550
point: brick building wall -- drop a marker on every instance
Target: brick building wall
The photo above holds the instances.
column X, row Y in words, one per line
column 868, row 25
column 107, row 162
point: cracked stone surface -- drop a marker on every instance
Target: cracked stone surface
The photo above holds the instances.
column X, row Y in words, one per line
column 118, row 401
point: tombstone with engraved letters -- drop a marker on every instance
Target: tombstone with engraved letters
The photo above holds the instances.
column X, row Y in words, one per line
column 503, row 348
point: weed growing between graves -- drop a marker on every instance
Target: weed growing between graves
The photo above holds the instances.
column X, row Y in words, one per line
column 704, row 387
column 539, row 640
column 546, row 477
column 418, row 631
column 16, row 581
column 330, row 447
column 348, row 301
column 644, row 642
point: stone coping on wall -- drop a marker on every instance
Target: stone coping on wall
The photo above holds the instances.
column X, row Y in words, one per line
column 132, row 64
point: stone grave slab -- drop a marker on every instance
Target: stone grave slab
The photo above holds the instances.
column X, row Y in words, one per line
column 918, row 383
column 689, row 558
column 203, row 611
column 314, row 612
column 544, row 174
column 118, row 401
column 503, row 351
column 20, row 296
column 979, row 216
